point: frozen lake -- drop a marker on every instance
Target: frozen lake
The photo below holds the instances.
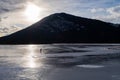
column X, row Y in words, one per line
column 60, row 62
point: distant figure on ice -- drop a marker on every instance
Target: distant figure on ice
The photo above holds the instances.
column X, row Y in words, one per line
column 41, row 51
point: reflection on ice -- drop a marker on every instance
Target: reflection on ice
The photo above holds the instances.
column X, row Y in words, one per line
column 31, row 61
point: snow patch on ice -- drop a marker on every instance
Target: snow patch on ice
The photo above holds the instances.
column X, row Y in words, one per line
column 90, row 66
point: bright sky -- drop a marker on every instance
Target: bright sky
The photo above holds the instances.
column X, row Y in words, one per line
column 18, row 14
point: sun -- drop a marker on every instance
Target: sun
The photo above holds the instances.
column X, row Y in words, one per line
column 32, row 12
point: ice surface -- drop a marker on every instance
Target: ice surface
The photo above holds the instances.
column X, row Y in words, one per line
column 60, row 62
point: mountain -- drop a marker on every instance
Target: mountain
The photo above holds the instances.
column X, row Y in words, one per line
column 65, row 28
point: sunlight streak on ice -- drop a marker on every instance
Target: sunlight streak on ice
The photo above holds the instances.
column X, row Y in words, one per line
column 31, row 57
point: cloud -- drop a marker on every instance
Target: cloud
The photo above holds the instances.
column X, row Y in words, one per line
column 95, row 10
column 114, row 14
column 111, row 14
column 11, row 5
column 4, row 30
column 115, row 11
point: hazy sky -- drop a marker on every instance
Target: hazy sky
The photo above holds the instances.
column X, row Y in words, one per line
column 18, row 14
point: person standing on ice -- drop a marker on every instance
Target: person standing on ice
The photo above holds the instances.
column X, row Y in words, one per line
column 41, row 51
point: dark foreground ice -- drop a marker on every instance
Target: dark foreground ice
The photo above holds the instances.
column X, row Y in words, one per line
column 60, row 62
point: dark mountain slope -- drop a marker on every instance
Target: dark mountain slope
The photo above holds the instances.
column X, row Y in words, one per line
column 65, row 28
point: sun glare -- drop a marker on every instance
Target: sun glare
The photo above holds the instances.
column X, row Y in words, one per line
column 32, row 12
